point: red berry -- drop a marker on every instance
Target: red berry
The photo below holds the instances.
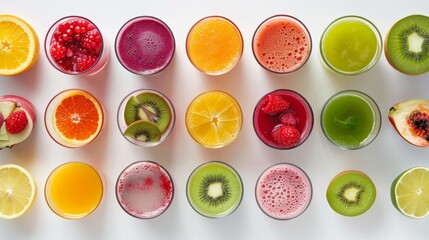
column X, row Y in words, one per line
column 16, row 122
column 289, row 118
column 274, row 104
column 286, row 136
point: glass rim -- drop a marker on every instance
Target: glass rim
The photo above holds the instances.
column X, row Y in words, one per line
column 48, row 43
column 376, row 56
column 58, row 211
column 139, row 163
column 238, row 130
column 48, row 120
column 376, row 114
column 306, row 105
column 142, row 17
column 232, row 66
column 167, row 131
column 223, row 164
column 301, row 24
column 273, row 166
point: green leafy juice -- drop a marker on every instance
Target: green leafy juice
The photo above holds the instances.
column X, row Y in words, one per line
column 348, row 120
column 349, row 45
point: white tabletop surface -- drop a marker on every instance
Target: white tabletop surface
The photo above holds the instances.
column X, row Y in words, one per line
column 382, row 160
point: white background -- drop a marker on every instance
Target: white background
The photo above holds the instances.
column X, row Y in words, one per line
column 383, row 160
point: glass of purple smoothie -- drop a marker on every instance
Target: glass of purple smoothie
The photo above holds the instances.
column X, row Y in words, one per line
column 145, row 45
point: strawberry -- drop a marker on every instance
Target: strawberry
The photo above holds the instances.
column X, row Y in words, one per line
column 286, row 136
column 289, row 118
column 274, row 104
column 16, row 122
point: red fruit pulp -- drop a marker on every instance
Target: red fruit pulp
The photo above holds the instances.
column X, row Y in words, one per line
column 264, row 123
column 75, row 45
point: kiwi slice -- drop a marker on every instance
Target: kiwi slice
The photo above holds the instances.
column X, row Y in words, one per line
column 407, row 45
column 149, row 107
column 351, row 193
column 214, row 189
column 143, row 131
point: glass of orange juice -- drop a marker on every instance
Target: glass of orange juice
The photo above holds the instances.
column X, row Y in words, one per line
column 214, row 119
column 74, row 118
column 214, row 45
column 74, row 190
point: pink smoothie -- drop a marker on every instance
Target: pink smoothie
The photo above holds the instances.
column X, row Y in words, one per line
column 145, row 45
column 281, row 44
column 283, row 191
column 144, row 189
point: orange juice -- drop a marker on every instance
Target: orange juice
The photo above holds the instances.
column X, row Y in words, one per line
column 74, row 190
column 214, row 45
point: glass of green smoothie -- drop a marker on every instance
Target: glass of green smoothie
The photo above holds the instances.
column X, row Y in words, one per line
column 350, row 45
column 350, row 119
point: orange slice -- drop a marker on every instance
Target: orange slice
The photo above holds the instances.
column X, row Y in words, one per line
column 19, row 45
column 78, row 117
column 214, row 119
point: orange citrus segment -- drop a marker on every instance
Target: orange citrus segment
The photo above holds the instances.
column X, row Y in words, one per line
column 214, row 119
column 17, row 191
column 78, row 117
column 19, row 45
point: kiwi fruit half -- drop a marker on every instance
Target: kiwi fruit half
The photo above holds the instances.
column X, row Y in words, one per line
column 351, row 193
column 143, row 131
column 407, row 45
column 149, row 107
column 214, row 189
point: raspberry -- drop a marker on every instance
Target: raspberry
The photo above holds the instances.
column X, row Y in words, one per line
column 289, row 118
column 286, row 136
column 58, row 51
column 16, row 122
column 274, row 105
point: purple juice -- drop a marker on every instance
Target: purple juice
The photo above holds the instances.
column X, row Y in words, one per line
column 145, row 45
column 283, row 191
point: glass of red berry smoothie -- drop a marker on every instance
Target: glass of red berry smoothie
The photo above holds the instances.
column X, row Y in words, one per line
column 281, row 44
column 74, row 45
column 145, row 45
column 283, row 191
column 283, row 119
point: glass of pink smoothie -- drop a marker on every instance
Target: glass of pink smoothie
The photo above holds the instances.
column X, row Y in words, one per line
column 281, row 44
column 144, row 189
column 145, row 45
column 283, row 191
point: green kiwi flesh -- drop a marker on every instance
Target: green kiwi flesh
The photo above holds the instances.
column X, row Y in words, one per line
column 214, row 189
column 351, row 193
column 407, row 45
column 149, row 107
column 143, row 131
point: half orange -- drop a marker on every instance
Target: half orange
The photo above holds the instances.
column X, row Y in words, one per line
column 77, row 118
column 19, row 45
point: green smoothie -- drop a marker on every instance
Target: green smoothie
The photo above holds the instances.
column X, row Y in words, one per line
column 350, row 45
column 349, row 119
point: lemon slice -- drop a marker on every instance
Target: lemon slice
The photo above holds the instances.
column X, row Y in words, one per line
column 410, row 192
column 17, row 191
column 19, row 45
column 214, row 119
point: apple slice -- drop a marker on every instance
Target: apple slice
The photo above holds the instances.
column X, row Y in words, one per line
column 8, row 105
column 411, row 121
